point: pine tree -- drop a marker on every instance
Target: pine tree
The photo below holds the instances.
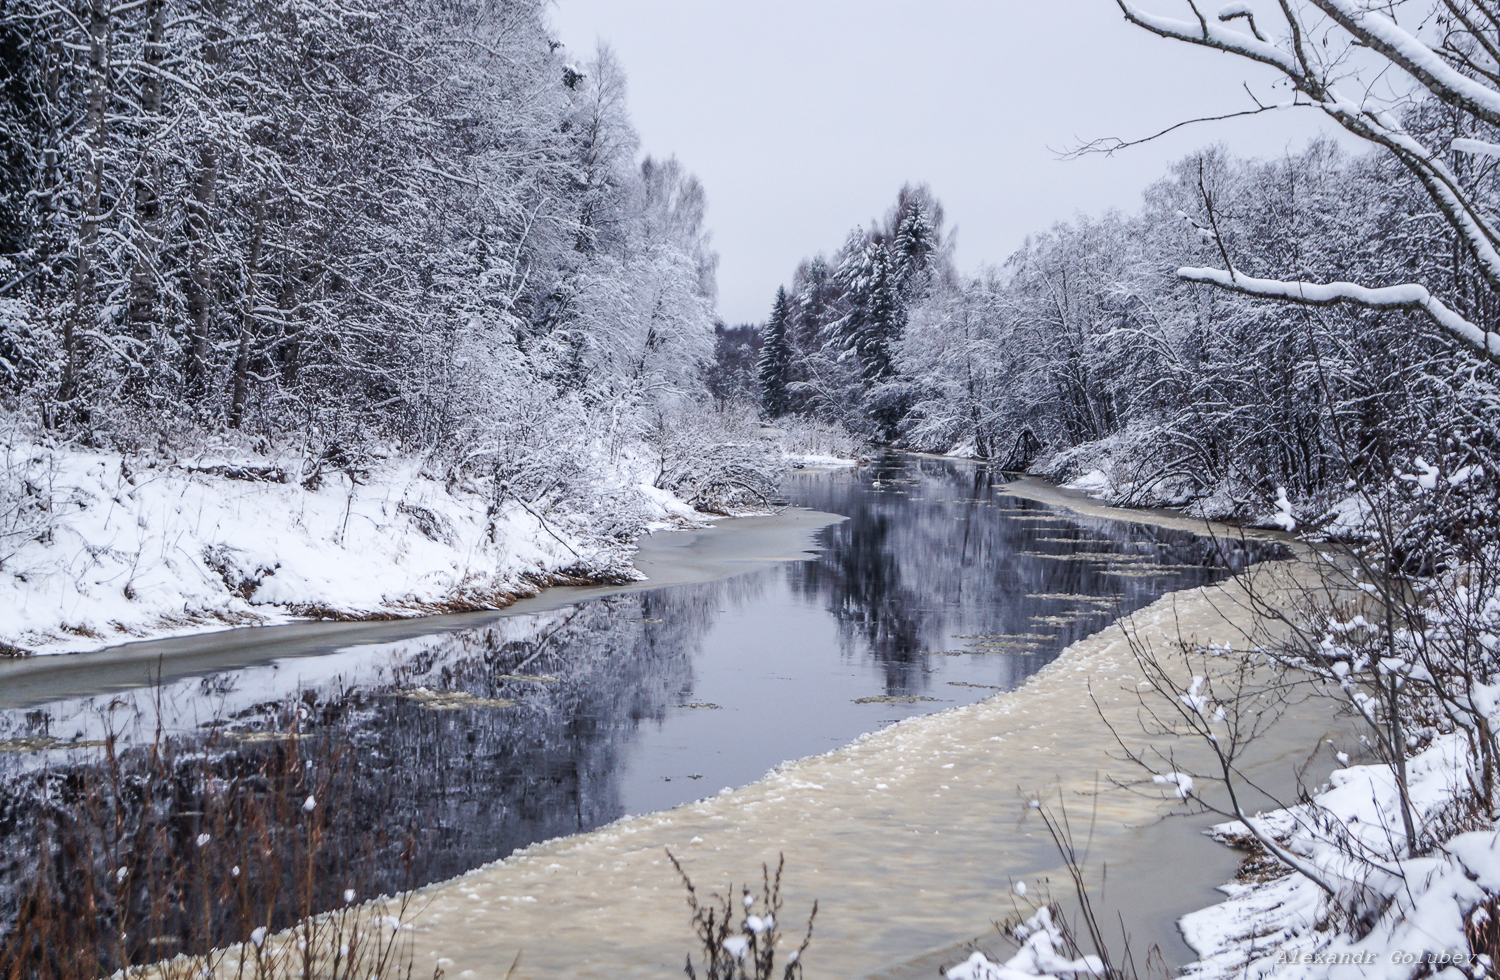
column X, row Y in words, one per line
column 776, row 359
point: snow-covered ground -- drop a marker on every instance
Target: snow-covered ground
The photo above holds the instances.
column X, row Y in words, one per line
column 1411, row 912
column 98, row 548
column 1103, row 470
column 1414, row 909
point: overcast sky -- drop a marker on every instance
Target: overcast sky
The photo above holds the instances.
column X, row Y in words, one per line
column 804, row 117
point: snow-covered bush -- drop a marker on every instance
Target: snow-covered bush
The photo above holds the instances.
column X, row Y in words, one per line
column 717, row 464
column 807, row 438
column 1046, row 951
column 739, row 933
column 1399, row 627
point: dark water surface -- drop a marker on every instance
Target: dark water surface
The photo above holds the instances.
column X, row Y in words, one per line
column 937, row 591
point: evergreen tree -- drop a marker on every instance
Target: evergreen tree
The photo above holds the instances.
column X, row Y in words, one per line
column 885, row 315
column 913, row 248
column 776, row 359
column 731, row 377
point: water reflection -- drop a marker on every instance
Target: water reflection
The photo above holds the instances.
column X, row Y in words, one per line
column 938, row 590
column 935, row 554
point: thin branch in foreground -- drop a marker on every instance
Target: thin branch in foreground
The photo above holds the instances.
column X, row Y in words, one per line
column 1110, row 145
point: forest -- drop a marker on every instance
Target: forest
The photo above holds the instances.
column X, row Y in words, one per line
column 337, row 312
column 1086, row 353
column 328, row 219
column 301, row 245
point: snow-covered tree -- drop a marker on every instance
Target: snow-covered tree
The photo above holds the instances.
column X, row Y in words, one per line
column 1448, row 53
column 400, row 221
column 775, row 361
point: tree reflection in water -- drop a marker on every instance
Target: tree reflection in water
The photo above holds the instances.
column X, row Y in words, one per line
column 935, row 553
column 467, row 745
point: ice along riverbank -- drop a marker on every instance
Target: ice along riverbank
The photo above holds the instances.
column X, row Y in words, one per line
column 910, row 837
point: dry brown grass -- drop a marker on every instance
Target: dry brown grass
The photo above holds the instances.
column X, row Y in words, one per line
column 200, row 857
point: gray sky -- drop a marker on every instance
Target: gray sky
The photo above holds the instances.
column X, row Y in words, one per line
column 804, row 117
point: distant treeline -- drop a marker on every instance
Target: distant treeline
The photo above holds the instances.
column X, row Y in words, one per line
column 1085, row 349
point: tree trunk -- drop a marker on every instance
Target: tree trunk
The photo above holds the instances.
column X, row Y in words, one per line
column 147, row 199
column 93, row 180
column 247, row 318
column 199, row 213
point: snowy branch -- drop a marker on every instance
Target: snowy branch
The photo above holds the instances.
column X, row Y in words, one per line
column 1416, row 59
column 1408, row 296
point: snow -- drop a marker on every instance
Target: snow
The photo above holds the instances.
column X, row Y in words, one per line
column 1346, row 519
column 1477, row 147
column 1415, row 56
column 118, row 548
column 668, row 506
column 1426, row 478
column 1195, row 702
column 1217, row 34
column 819, row 461
column 1412, row 296
column 1351, row 835
column 1283, row 517
column 1095, row 483
column 1038, row 956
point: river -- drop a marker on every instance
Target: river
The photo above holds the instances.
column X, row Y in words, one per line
column 902, row 589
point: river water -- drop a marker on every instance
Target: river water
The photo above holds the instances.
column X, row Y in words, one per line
column 926, row 588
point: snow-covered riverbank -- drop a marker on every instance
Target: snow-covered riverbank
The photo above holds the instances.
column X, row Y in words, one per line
column 130, row 551
column 1367, row 900
column 104, row 548
column 933, row 809
column 1418, row 908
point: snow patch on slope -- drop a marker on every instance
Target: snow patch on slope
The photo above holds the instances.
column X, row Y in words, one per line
column 97, row 548
column 1287, row 927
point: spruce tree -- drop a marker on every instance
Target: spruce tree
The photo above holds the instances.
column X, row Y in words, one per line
column 776, row 359
column 885, row 316
column 915, row 242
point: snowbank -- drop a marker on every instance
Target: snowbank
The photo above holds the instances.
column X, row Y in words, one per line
column 818, row 461
column 1392, row 908
column 1414, row 908
column 1119, row 471
column 97, row 548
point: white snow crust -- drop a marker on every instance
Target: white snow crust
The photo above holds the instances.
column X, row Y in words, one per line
column 1284, row 928
column 110, row 548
